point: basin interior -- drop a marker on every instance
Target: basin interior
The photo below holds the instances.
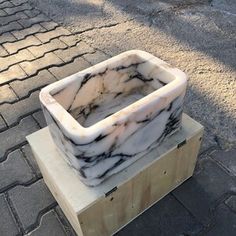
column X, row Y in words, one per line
column 98, row 95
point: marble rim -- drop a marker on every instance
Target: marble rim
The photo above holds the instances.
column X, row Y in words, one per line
column 85, row 134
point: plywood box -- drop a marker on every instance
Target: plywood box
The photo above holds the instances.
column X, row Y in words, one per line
column 105, row 209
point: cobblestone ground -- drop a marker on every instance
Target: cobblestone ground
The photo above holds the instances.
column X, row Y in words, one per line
column 34, row 52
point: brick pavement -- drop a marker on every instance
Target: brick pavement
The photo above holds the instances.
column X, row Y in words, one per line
column 34, row 52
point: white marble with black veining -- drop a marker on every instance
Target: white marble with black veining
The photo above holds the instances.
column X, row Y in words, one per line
column 109, row 115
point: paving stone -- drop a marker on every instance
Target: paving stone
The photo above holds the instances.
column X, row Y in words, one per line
column 30, row 201
column 54, row 44
column 227, row 159
column 16, row 135
column 7, row 19
column 27, row 42
column 167, row 217
column 30, row 21
column 70, row 40
column 50, row 25
column 231, row 202
column 3, row 52
column 12, row 112
column 16, row 9
column 22, row 55
column 6, row 94
column 14, row 72
column 2, row 13
column 7, row 37
column 5, row 4
column 225, row 222
column 63, row 71
column 49, row 225
column 50, row 59
column 11, row 26
column 21, row 34
column 45, row 37
column 96, row 57
column 66, row 224
column 14, row 170
column 39, row 117
column 32, row 12
column 200, row 193
column 78, row 50
column 7, row 223
column 30, row 157
column 23, row 87
column 19, row 2
column 2, row 124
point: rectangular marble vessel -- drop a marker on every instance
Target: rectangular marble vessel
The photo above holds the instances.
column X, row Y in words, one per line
column 106, row 117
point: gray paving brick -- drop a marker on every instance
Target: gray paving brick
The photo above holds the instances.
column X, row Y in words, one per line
column 78, row 50
column 50, row 25
column 39, row 51
column 18, row 2
column 45, row 37
column 49, row 59
column 24, row 87
column 6, row 94
column 2, row 13
column 200, row 193
column 225, row 222
column 7, row 37
column 27, row 42
column 14, row 170
column 13, row 112
column 7, row 224
column 227, row 159
column 15, row 58
column 30, row 201
column 30, row 21
column 3, row 52
column 167, row 217
column 66, row 224
column 5, row 4
column 16, row 135
column 14, row 72
column 7, row 19
column 2, row 124
column 231, row 202
column 49, row 225
column 16, row 9
column 63, row 71
column 20, row 34
column 30, row 157
column 10, row 27
column 32, row 12
column 70, row 40
column 96, row 57
column 39, row 117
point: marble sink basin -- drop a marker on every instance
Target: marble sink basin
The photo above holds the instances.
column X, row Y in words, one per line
column 106, row 117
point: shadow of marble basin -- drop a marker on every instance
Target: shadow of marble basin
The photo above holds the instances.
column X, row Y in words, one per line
column 106, row 117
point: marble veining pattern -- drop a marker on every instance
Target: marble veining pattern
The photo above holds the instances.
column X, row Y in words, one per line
column 109, row 115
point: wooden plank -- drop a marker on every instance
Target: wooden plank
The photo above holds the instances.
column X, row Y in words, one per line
column 142, row 191
column 88, row 210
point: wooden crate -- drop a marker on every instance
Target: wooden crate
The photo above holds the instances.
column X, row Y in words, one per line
column 105, row 209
